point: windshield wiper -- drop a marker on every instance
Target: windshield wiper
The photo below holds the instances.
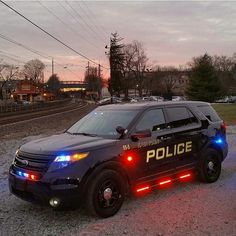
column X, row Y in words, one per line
column 85, row 134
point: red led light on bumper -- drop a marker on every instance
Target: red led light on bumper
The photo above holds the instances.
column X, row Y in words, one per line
column 164, row 183
column 28, row 176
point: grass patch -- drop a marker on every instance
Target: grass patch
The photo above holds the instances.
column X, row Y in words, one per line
column 227, row 112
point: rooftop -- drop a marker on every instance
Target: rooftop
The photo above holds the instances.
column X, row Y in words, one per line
column 143, row 105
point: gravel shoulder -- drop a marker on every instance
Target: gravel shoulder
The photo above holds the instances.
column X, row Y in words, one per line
column 184, row 209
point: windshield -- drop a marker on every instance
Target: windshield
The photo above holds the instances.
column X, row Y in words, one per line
column 103, row 123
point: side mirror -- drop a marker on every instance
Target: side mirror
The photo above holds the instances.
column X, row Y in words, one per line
column 120, row 130
column 141, row 134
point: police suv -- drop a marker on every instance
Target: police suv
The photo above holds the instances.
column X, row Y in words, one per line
column 120, row 149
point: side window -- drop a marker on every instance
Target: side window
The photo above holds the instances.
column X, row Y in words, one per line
column 153, row 120
column 209, row 112
column 193, row 119
column 180, row 116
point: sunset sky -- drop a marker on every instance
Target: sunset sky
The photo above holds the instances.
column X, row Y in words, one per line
column 172, row 32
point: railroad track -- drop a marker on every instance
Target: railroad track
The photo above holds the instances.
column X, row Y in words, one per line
column 22, row 118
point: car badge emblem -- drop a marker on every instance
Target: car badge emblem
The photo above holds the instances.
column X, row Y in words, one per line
column 24, row 162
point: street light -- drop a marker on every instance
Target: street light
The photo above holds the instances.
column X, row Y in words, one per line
column 149, row 81
column 136, row 87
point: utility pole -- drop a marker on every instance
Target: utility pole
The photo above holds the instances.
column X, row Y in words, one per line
column 99, row 70
column 88, row 68
column 52, row 66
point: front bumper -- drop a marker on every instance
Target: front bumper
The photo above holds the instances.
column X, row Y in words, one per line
column 43, row 191
column 225, row 150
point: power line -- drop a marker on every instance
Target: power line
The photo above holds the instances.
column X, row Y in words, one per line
column 78, row 14
column 33, row 51
column 91, row 12
column 13, row 55
column 24, row 62
column 76, row 20
column 74, row 17
column 11, row 58
column 91, row 21
column 67, row 26
column 23, row 46
column 49, row 34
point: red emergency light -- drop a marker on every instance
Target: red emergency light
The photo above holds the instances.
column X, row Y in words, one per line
column 145, row 188
column 185, row 176
column 129, row 158
column 27, row 175
column 165, row 182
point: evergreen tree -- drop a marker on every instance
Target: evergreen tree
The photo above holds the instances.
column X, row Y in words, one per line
column 116, row 58
column 204, row 84
column 53, row 84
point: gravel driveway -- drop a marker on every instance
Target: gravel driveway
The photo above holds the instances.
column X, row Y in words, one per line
column 184, row 209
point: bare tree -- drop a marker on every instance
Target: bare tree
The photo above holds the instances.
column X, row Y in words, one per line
column 226, row 68
column 139, row 64
column 128, row 67
column 135, row 64
column 223, row 63
column 33, row 70
column 170, row 76
column 94, row 82
column 165, row 80
column 7, row 73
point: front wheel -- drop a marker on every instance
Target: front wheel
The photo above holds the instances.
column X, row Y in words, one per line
column 210, row 166
column 105, row 194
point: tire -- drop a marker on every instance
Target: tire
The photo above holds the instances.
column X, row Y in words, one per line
column 210, row 166
column 106, row 193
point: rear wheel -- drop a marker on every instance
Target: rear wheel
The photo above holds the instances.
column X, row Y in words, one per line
column 105, row 194
column 210, row 166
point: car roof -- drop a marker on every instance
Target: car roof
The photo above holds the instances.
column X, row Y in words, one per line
column 144, row 105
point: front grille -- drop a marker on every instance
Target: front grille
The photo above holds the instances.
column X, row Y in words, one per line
column 33, row 162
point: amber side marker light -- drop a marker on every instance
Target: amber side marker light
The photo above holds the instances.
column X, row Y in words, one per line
column 142, row 189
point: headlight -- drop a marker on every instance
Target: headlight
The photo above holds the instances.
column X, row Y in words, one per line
column 16, row 153
column 62, row 161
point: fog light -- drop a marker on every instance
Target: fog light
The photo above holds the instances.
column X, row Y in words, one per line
column 54, row 202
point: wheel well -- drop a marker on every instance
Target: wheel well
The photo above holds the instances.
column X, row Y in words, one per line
column 110, row 165
column 218, row 149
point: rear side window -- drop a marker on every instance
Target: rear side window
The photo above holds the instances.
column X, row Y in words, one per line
column 153, row 120
column 180, row 116
column 209, row 112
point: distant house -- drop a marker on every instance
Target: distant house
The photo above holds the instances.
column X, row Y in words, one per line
column 174, row 81
column 26, row 90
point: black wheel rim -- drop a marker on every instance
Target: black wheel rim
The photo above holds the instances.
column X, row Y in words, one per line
column 113, row 200
column 212, row 167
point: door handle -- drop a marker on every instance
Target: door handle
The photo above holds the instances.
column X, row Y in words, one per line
column 165, row 138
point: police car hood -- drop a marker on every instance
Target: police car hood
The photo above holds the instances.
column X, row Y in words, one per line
column 65, row 143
